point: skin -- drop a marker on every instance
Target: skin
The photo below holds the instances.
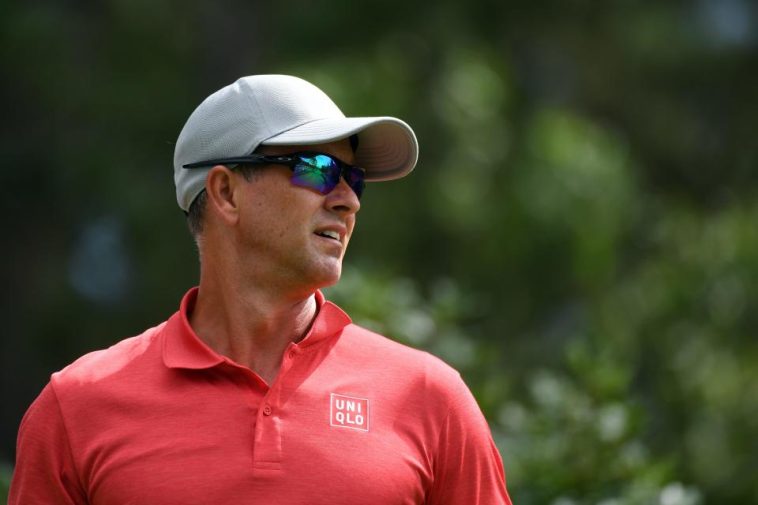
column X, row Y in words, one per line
column 262, row 259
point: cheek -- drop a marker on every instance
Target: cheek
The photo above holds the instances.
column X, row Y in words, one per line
column 260, row 222
column 285, row 224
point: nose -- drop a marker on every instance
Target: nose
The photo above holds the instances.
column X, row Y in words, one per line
column 342, row 199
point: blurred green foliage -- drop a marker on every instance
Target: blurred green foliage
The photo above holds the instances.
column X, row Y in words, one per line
column 578, row 239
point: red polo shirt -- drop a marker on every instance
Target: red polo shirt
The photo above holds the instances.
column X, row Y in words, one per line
column 352, row 418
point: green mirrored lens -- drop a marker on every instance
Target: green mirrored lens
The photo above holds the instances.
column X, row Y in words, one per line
column 318, row 171
column 322, row 173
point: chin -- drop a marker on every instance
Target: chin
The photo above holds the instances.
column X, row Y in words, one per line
column 332, row 279
column 324, row 275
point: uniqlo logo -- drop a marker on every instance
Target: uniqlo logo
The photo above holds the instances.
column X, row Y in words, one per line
column 348, row 412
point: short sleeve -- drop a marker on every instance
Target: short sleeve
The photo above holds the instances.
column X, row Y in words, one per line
column 467, row 465
column 44, row 470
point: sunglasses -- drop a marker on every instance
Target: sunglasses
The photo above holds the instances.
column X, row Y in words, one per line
column 313, row 170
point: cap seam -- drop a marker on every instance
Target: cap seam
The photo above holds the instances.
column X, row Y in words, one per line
column 253, row 100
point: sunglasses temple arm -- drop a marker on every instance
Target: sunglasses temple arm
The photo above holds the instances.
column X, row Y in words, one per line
column 256, row 159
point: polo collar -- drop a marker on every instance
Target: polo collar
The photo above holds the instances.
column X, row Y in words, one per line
column 182, row 348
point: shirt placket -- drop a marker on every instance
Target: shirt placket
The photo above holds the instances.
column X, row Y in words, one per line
column 268, row 451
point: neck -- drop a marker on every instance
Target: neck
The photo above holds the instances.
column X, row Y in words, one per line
column 250, row 323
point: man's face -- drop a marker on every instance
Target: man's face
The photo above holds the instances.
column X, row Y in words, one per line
column 294, row 235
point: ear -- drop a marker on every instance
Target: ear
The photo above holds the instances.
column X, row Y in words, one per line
column 221, row 186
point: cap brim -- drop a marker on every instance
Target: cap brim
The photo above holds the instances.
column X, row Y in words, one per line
column 387, row 147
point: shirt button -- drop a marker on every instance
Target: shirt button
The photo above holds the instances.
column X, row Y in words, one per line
column 291, row 354
column 267, row 410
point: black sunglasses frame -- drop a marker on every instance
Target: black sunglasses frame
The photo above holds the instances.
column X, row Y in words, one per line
column 290, row 160
column 251, row 159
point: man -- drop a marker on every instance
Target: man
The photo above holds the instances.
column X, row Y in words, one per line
column 258, row 390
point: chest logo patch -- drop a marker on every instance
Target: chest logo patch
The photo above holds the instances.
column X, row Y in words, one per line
column 348, row 412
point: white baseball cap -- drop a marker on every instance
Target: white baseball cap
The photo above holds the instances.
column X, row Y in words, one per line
column 284, row 110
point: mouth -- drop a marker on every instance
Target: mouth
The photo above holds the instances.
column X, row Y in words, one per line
column 329, row 234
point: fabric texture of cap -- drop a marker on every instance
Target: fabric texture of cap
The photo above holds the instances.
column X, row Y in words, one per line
column 284, row 110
